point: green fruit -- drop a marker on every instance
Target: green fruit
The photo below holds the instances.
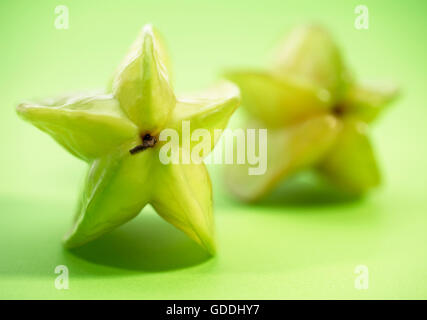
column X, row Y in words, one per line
column 117, row 134
column 316, row 116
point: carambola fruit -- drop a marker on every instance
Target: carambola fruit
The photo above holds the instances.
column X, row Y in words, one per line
column 316, row 114
column 117, row 134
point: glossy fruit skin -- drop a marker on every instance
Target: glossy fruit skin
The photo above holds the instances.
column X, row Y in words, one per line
column 316, row 114
column 107, row 131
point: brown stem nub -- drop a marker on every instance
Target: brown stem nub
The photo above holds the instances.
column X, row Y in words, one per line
column 148, row 141
column 338, row 110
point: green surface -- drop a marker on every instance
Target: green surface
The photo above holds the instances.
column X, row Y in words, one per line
column 301, row 243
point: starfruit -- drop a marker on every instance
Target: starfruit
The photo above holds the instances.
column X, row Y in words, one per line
column 316, row 114
column 117, row 134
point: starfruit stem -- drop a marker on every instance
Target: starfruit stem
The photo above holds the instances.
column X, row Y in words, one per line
column 148, row 141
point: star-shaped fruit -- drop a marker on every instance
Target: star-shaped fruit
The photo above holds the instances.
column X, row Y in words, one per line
column 117, row 134
column 317, row 116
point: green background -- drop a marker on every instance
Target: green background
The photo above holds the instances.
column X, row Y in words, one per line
column 300, row 243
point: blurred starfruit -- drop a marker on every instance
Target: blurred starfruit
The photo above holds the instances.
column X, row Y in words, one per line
column 316, row 114
column 117, row 134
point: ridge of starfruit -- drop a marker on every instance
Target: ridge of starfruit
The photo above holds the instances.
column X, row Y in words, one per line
column 117, row 134
column 316, row 113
